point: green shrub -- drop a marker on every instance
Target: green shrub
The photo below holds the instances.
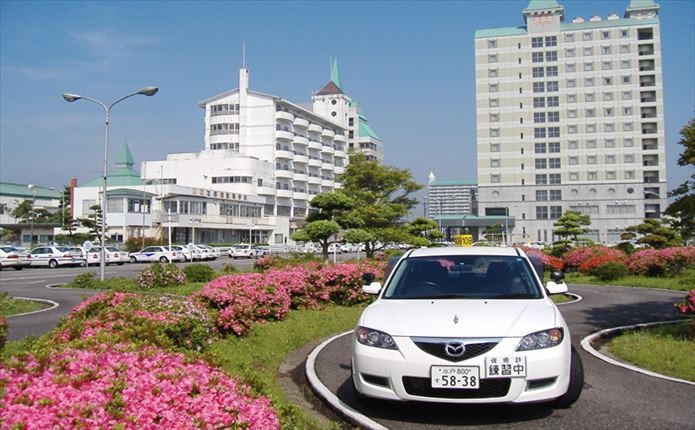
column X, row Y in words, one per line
column 627, row 247
column 198, row 272
column 610, row 271
column 135, row 244
column 228, row 269
column 161, row 276
column 84, row 280
column 3, row 331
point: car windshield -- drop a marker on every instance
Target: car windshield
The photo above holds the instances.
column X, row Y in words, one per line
column 463, row 277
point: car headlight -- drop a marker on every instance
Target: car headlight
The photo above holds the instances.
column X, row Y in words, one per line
column 375, row 338
column 541, row 339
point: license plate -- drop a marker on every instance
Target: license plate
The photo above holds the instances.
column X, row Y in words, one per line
column 462, row 377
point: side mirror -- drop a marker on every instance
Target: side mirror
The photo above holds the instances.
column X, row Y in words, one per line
column 372, row 288
column 553, row 287
column 557, row 276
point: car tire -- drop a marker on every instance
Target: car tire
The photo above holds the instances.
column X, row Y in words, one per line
column 574, row 389
column 133, row 260
column 18, row 268
column 83, row 264
column 163, row 260
column 120, row 264
column 52, row 264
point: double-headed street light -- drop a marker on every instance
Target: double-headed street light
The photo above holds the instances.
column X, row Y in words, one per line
column 147, row 91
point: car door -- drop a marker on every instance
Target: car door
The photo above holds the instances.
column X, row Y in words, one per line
column 40, row 256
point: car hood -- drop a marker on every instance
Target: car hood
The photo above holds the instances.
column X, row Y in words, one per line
column 461, row 318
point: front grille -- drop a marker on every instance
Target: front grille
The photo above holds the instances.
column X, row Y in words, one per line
column 436, row 348
column 489, row 388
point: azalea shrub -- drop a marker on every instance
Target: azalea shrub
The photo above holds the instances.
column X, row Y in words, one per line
column 609, row 270
column 550, row 262
column 239, row 301
column 159, row 275
column 661, row 262
column 687, row 307
column 591, row 257
column 197, row 272
column 112, row 387
column 115, row 317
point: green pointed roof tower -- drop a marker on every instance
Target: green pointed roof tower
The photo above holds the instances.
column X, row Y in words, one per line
column 123, row 174
column 333, row 86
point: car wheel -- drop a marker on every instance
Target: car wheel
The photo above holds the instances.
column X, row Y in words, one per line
column 83, row 264
column 133, row 260
column 163, row 260
column 120, row 264
column 18, row 268
column 576, row 382
column 52, row 264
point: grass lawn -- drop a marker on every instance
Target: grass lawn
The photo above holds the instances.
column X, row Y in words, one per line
column 677, row 283
column 668, row 349
column 257, row 357
column 11, row 306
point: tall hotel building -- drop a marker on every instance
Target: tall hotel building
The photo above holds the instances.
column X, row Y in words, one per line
column 570, row 116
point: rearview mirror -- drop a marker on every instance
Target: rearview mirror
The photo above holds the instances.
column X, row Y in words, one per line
column 553, row 287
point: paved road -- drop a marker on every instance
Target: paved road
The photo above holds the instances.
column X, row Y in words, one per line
column 613, row 397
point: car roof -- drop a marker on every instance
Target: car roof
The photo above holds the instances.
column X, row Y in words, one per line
column 471, row 250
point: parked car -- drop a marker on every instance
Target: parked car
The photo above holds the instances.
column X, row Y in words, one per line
column 202, row 252
column 243, row 250
column 537, row 245
column 113, row 256
column 213, row 252
column 14, row 258
column 55, row 256
column 262, row 251
column 189, row 254
column 155, row 253
column 80, row 253
column 465, row 325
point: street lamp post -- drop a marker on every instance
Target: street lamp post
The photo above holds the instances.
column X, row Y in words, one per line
column 147, row 91
column 32, row 187
column 251, row 225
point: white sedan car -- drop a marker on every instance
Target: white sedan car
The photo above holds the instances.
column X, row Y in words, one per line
column 14, row 258
column 161, row 254
column 465, row 325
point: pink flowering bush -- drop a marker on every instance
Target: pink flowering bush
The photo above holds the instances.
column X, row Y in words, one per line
column 687, row 307
column 660, row 262
column 159, row 275
column 576, row 257
column 111, row 387
column 550, row 263
column 241, row 300
column 164, row 321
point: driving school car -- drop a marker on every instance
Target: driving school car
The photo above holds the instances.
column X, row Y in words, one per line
column 465, row 325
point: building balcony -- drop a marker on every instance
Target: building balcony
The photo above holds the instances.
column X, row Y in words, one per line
column 340, row 137
column 313, row 144
column 284, row 193
column 327, row 183
column 300, row 158
column 281, row 115
column 298, row 195
column 328, row 149
column 284, row 135
column 327, row 133
column 301, row 122
column 301, row 140
column 300, row 176
column 339, row 170
column 265, row 191
column 314, row 162
column 283, row 174
column 315, row 128
column 327, row 165
column 284, row 154
column 314, row 179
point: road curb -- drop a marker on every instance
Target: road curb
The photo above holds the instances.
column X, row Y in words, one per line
column 612, row 332
column 330, row 398
column 50, row 302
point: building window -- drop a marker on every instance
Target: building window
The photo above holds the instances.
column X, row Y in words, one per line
column 494, row 132
column 553, row 147
column 537, row 57
column 539, row 132
column 552, row 86
column 554, row 195
column 592, row 176
column 624, row 33
column 541, row 195
column 607, row 111
column 591, row 128
column 590, row 159
column 571, row 83
column 555, row 212
column 571, row 98
column 569, row 37
column 627, row 110
column 605, row 50
column 536, row 42
column 539, row 87
column 539, row 102
column 494, row 147
column 573, row 160
column 629, row 174
column 539, row 148
column 553, row 116
column 494, row 117
column 541, row 179
column 629, row 158
column 571, row 113
column 626, row 95
column 551, row 71
column 538, row 72
column 492, row 43
column 588, row 67
column 628, row 142
column 541, row 163
column 492, row 58
column 492, row 88
column 588, row 82
column 591, row 144
column 606, row 65
column 494, row 162
column 588, row 51
column 627, row 126
column 610, row 159
column 607, row 80
column 572, row 144
column 554, row 163
column 554, row 178
column 574, row 176
column 572, row 129
column 610, row 143
column 538, row 117
column 626, row 79
column 605, row 34
column 492, row 103
column 624, row 49
column 590, row 113
column 495, row 179
column 587, row 36
column 571, row 68
column 551, row 41
column 625, row 64
column 569, row 52
column 492, row 73
column 609, row 127
column 551, row 56
column 541, row 212
column 553, row 101
column 589, row 97
column 553, row 131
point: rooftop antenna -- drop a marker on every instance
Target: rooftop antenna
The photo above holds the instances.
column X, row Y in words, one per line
column 243, row 54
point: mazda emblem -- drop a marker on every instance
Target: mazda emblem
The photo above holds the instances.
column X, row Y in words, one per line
column 455, row 349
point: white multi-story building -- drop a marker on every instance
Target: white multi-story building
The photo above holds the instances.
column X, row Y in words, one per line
column 263, row 148
column 570, row 116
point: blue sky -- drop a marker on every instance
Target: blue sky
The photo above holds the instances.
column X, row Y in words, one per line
column 409, row 64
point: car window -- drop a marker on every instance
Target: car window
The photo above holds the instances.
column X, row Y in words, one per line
column 468, row 277
column 150, row 249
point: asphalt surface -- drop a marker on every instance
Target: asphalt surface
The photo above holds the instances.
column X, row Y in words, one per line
column 613, row 397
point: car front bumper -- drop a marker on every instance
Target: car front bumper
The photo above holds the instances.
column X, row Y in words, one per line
column 404, row 374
